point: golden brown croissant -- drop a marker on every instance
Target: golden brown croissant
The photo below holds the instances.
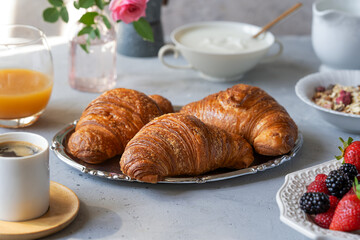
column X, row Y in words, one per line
column 178, row 144
column 164, row 104
column 109, row 122
column 250, row 112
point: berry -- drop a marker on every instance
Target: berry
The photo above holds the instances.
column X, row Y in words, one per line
column 350, row 152
column 347, row 214
column 324, row 219
column 314, row 203
column 321, row 177
column 320, row 89
column 344, row 98
column 333, row 202
column 338, row 183
column 350, row 170
column 318, row 186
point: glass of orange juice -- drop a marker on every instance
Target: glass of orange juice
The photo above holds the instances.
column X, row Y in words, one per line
column 26, row 75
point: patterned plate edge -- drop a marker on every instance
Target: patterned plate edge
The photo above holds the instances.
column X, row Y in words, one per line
column 288, row 197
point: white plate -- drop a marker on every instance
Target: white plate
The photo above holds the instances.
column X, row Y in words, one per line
column 288, row 198
column 305, row 89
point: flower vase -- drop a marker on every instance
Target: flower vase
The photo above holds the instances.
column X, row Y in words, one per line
column 131, row 44
column 94, row 71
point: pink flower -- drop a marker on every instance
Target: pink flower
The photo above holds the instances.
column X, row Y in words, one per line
column 127, row 10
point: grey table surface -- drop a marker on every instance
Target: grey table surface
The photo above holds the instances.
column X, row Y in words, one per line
column 239, row 208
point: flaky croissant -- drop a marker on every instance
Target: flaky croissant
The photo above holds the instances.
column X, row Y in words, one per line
column 178, row 144
column 109, row 122
column 250, row 112
column 163, row 103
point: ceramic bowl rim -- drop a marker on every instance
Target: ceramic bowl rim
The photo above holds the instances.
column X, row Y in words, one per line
column 221, row 23
column 308, row 101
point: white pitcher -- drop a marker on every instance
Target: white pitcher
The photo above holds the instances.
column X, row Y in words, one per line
column 336, row 33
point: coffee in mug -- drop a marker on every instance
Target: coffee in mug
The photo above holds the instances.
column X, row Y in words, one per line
column 24, row 176
column 18, row 149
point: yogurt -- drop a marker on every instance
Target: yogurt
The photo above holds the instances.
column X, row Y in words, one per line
column 217, row 39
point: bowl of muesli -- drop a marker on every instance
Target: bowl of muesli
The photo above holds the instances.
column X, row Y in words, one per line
column 335, row 95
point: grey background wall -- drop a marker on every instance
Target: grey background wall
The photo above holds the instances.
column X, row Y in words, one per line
column 178, row 12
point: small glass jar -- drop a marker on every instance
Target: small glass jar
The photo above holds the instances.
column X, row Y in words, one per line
column 94, row 71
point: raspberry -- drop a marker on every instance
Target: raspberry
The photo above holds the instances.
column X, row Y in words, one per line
column 345, row 98
column 320, row 89
column 333, row 202
column 321, row 177
column 324, row 219
column 318, row 186
column 314, row 203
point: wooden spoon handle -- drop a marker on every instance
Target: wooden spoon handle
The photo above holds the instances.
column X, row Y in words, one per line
column 273, row 22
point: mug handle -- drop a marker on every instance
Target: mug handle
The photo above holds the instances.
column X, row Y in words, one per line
column 170, row 47
column 270, row 58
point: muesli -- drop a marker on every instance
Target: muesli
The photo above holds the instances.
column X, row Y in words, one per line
column 339, row 98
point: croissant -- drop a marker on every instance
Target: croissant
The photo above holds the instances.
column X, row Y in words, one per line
column 163, row 103
column 178, row 144
column 250, row 112
column 109, row 122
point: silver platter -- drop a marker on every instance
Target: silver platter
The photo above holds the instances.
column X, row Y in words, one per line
column 110, row 169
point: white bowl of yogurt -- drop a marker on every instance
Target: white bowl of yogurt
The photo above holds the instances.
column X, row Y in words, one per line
column 221, row 51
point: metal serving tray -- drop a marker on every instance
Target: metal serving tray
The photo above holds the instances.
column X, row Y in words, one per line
column 110, row 169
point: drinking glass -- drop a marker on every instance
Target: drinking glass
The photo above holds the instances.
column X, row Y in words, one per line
column 26, row 75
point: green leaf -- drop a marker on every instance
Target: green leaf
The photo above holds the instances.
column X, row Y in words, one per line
column 86, row 3
column 85, row 30
column 100, row 4
column 88, row 18
column 84, row 47
column 56, row 3
column 64, row 14
column 143, row 28
column 51, row 15
column 106, row 21
column 92, row 34
column 97, row 32
column 76, row 5
column 357, row 187
column 338, row 157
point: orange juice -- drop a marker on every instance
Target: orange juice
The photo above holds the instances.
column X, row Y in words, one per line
column 23, row 93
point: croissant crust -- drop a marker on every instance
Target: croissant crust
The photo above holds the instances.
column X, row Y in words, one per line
column 250, row 112
column 109, row 122
column 178, row 144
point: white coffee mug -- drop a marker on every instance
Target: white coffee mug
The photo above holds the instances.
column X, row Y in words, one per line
column 221, row 51
column 24, row 181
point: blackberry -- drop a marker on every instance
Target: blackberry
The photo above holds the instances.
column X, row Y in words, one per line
column 314, row 202
column 338, row 183
column 349, row 170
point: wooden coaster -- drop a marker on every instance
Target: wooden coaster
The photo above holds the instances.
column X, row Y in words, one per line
column 64, row 206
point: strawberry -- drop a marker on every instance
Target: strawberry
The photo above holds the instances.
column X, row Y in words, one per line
column 350, row 152
column 347, row 213
column 324, row 219
column 318, row 186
